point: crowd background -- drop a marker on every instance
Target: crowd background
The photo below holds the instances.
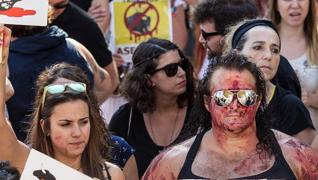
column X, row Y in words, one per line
column 147, row 105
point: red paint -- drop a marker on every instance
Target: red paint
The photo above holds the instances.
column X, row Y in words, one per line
column 17, row 12
column 150, row 172
column 235, row 84
column 306, row 158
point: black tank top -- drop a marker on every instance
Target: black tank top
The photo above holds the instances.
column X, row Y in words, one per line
column 280, row 169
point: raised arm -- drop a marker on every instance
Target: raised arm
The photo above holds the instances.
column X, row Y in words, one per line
column 10, row 148
column 103, row 87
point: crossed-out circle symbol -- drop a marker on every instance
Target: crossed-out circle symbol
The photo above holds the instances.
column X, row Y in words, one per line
column 131, row 26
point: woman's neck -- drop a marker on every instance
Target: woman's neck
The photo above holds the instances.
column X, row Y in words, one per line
column 166, row 103
column 291, row 32
column 270, row 90
column 293, row 41
column 74, row 162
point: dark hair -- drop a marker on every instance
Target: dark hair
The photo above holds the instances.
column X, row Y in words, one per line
column 224, row 13
column 135, row 86
column 99, row 140
column 8, row 172
column 235, row 62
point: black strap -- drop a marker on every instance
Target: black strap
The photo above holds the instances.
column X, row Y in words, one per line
column 186, row 172
column 106, row 172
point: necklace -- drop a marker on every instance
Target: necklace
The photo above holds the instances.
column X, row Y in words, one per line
column 173, row 130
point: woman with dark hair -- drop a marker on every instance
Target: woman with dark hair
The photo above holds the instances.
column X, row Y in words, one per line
column 66, row 123
column 240, row 144
column 159, row 89
column 258, row 39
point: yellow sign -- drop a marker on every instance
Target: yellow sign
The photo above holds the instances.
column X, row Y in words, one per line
column 138, row 20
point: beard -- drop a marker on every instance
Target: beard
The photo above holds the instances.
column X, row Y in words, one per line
column 215, row 52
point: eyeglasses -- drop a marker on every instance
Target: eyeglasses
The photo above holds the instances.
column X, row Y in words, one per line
column 172, row 69
column 205, row 35
column 60, row 88
column 244, row 97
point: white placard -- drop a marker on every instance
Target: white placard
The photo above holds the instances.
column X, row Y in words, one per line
column 24, row 12
column 41, row 166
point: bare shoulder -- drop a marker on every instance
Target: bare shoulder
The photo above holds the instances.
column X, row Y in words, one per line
column 114, row 171
column 301, row 158
column 168, row 163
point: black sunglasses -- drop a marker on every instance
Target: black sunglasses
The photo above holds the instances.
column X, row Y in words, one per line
column 205, row 35
column 172, row 69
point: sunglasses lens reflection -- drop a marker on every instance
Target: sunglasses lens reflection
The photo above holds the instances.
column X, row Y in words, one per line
column 225, row 97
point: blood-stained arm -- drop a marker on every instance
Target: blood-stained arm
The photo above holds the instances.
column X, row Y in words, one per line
column 167, row 165
column 301, row 158
column 10, row 148
column 160, row 168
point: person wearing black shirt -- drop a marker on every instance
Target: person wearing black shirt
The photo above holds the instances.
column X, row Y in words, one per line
column 79, row 26
column 159, row 89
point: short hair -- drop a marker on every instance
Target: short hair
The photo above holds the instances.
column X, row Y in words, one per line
column 8, row 172
column 236, row 62
column 135, row 86
column 224, row 13
column 310, row 27
column 99, row 141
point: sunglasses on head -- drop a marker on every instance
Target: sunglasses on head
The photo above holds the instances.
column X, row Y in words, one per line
column 244, row 97
column 60, row 88
column 172, row 69
column 206, row 35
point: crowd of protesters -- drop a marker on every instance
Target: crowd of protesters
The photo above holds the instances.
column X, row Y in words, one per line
column 233, row 94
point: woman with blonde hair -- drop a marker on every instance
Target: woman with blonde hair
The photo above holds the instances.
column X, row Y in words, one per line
column 66, row 123
column 296, row 22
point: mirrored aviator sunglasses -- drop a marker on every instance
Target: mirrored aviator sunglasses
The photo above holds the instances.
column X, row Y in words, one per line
column 244, row 97
column 172, row 69
column 60, row 88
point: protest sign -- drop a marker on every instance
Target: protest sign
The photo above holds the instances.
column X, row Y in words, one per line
column 41, row 166
column 24, row 12
column 135, row 21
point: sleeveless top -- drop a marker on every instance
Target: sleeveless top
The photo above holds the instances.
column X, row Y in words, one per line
column 106, row 173
column 280, row 169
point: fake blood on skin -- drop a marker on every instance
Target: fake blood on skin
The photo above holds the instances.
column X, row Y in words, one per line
column 248, row 113
column 243, row 116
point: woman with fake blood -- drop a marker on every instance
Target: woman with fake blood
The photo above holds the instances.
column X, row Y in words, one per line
column 260, row 42
column 240, row 144
column 159, row 89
